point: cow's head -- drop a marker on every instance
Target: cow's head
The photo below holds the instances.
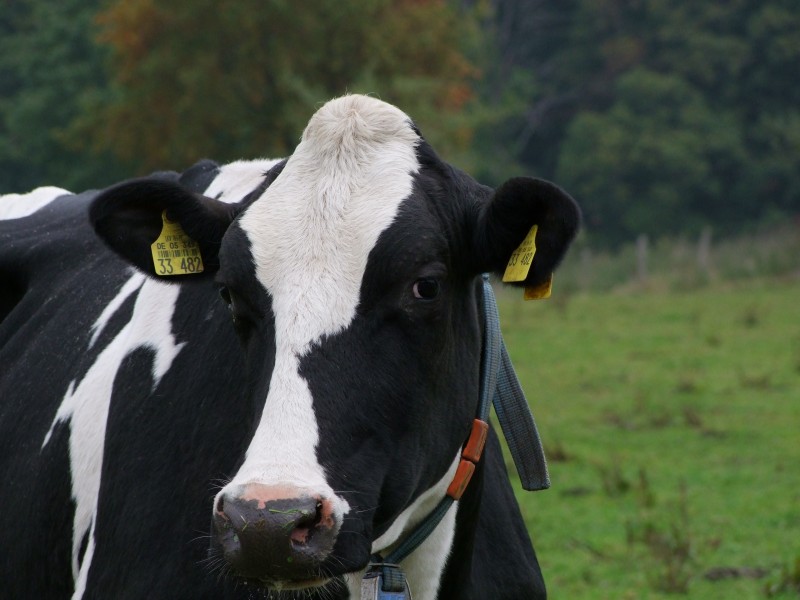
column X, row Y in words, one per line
column 353, row 283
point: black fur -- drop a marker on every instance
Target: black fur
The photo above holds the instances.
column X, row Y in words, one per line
column 504, row 222
column 394, row 394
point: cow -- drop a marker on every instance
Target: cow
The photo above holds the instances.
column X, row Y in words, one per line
column 261, row 400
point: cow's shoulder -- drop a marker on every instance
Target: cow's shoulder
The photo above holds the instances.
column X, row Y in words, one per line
column 41, row 234
column 18, row 206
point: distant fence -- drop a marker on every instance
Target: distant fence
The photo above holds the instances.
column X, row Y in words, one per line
column 683, row 262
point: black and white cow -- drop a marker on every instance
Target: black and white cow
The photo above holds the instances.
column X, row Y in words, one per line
column 329, row 415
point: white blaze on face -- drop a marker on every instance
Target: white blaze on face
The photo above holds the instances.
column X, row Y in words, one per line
column 311, row 234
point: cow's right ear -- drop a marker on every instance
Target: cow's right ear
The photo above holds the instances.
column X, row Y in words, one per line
column 129, row 218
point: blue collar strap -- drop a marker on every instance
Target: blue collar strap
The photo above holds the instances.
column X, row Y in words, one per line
column 500, row 387
column 510, row 405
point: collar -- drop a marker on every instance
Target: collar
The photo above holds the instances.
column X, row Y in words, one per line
column 499, row 388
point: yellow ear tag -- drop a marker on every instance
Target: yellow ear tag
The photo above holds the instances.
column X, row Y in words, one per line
column 520, row 262
column 541, row 291
column 174, row 252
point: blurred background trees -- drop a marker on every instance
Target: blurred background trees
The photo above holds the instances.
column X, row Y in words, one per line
column 661, row 117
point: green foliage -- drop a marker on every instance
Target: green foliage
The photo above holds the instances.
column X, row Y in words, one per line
column 699, row 487
column 787, row 583
column 92, row 92
column 660, row 116
column 662, row 537
column 654, row 163
column 191, row 80
column 49, row 66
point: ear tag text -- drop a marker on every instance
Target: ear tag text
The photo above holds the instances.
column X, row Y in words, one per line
column 520, row 262
column 174, row 252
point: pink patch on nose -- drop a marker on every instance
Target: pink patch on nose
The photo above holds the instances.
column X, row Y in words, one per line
column 326, row 514
column 266, row 493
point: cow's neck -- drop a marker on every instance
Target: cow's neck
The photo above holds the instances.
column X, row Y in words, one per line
column 455, row 580
column 440, row 568
column 425, row 566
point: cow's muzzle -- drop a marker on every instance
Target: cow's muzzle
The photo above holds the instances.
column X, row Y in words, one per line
column 278, row 535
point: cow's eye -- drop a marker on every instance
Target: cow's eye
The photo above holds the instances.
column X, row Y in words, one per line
column 225, row 294
column 227, row 297
column 426, row 289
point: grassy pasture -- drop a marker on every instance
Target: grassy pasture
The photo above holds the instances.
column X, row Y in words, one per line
column 672, row 426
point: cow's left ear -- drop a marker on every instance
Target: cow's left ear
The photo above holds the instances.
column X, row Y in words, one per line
column 507, row 220
column 133, row 216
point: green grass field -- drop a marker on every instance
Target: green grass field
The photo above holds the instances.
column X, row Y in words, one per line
column 672, row 426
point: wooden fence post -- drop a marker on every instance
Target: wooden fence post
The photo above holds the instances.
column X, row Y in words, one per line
column 704, row 252
column 641, row 258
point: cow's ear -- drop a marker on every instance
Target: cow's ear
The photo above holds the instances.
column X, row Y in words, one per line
column 507, row 220
column 130, row 219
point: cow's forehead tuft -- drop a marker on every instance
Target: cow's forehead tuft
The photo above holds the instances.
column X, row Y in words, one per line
column 312, row 230
column 351, row 121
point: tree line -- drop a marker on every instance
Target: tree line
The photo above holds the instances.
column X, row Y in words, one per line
column 661, row 117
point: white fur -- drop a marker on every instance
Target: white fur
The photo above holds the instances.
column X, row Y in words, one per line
column 425, row 565
column 311, row 234
column 133, row 284
column 16, row 206
column 83, row 575
column 86, row 404
column 237, row 179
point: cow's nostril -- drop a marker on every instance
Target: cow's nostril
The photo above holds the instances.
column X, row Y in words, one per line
column 221, row 504
column 300, row 535
column 305, row 524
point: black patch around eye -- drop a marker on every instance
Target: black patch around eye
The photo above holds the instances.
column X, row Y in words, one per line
column 426, row 289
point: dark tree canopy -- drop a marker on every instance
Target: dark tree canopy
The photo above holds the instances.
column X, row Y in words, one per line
column 660, row 117
column 50, row 67
column 191, row 80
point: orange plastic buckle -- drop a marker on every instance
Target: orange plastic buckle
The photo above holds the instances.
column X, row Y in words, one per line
column 469, row 456
column 477, row 440
column 461, row 479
